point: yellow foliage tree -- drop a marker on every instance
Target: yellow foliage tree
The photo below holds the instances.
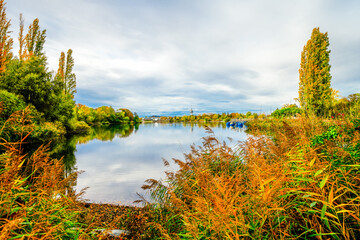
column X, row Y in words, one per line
column 315, row 93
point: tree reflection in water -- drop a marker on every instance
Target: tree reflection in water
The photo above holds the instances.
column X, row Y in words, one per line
column 65, row 148
column 115, row 168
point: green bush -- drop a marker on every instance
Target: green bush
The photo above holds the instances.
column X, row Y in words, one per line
column 78, row 126
column 10, row 103
column 286, row 112
column 48, row 131
column 81, row 126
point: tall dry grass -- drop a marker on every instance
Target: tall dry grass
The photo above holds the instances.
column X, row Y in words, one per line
column 303, row 182
column 37, row 200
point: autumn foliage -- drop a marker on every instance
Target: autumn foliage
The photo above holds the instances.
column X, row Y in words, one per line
column 301, row 183
column 6, row 41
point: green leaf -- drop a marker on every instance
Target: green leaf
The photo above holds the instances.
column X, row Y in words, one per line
column 323, row 210
column 304, row 179
column 322, row 183
column 318, row 172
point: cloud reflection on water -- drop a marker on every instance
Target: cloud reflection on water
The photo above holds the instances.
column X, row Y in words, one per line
column 115, row 170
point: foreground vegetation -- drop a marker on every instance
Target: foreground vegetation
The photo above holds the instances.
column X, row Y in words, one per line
column 303, row 183
column 37, row 200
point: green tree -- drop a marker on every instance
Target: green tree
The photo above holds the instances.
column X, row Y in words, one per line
column 28, row 76
column 315, row 93
column 128, row 113
column 63, row 109
column 31, row 80
column 9, row 103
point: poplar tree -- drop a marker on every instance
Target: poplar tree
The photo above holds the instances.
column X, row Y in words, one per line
column 35, row 39
column 65, row 74
column 70, row 77
column 21, row 38
column 315, row 93
column 6, row 41
column 61, row 70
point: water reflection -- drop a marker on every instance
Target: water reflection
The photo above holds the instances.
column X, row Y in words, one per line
column 65, row 148
column 116, row 160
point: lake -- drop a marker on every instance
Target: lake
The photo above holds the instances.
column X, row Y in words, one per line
column 117, row 160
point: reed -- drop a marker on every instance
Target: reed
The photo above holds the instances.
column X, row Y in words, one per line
column 36, row 198
column 301, row 183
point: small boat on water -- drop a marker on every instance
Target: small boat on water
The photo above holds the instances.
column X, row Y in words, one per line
column 235, row 124
column 239, row 124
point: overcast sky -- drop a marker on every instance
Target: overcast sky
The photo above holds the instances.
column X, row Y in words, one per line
column 210, row 55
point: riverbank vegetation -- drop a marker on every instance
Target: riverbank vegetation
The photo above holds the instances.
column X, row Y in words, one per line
column 105, row 115
column 210, row 117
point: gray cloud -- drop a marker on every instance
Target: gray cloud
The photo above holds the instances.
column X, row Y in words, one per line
column 154, row 56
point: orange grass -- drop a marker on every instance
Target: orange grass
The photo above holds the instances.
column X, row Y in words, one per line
column 36, row 199
column 287, row 186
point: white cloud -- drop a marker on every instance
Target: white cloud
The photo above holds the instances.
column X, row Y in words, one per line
column 151, row 56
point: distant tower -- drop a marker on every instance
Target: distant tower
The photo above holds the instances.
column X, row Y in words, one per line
column 191, row 111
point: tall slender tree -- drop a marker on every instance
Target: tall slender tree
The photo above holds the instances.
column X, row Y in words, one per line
column 22, row 39
column 315, row 93
column 61, row 70
column 69, row 75
column 6, row 41
column 65, row 73
column 35, row 39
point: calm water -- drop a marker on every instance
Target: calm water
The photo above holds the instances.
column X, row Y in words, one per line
column 116, row 160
